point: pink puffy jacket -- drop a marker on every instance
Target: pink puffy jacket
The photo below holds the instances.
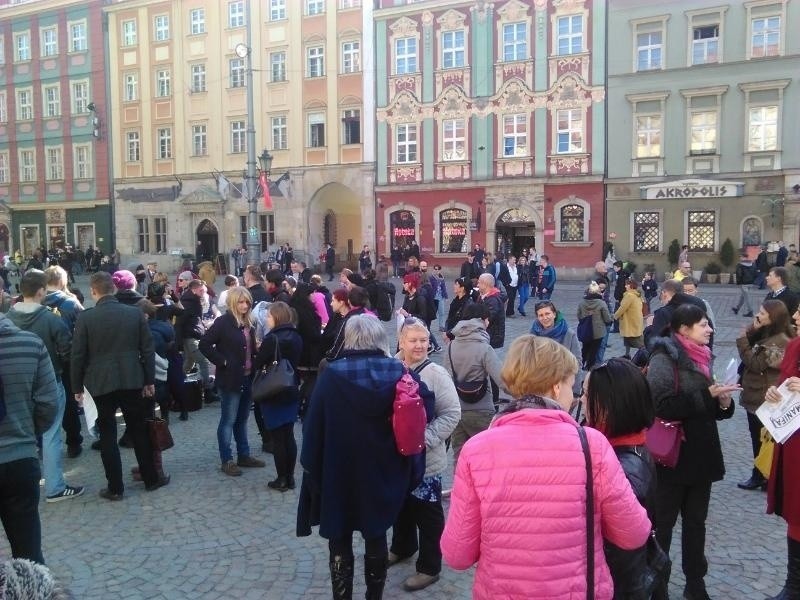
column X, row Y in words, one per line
column 518, row 509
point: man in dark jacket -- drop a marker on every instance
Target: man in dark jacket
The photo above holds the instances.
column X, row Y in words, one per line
column 470, row 268
column 492, row 298
column 776, row 282
column 191, row 330
column 274, row 286
column 254, row 282
column 672, row 297
column 330, row 260
column 114, row 358
column 762, row 268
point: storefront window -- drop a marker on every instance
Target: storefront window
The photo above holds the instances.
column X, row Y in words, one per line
column 403, row 228
column 453, row 230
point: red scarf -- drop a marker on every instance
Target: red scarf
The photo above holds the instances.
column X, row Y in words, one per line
column 700, row 354
column 631, row 439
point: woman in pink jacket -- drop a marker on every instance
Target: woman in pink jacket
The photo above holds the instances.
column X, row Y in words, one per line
column 518, row 506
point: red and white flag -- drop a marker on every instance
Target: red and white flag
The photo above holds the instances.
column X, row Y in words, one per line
column 264, row 182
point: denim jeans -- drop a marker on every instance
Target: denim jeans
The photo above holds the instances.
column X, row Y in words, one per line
column 51, row 449
column 601, row 352
column 524, row 293
column 235, row 408
column 440, row 313
column 19, row 507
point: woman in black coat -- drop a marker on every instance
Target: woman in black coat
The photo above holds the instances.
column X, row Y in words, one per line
column 280, row 413
column 309, row 326
column 461, row 297
column 340, row 308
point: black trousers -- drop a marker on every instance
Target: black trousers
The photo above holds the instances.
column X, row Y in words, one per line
column 71, row 421
column 428, row 518
column 512, row 295
column 589, row 350
column 284, row 450
column 754, row 427
column 344, row 547
column 19, row 507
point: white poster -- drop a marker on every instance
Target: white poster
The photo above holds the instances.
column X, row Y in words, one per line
column 782, row 418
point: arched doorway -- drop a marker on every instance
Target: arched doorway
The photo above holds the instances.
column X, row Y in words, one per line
column 207, row 241
column 516, row 230
column 335, row 216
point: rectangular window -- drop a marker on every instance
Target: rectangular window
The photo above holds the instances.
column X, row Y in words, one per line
column 199, row 78
column 703, row 132
column 648, row 136
column 163, row 87
column 279, row 133
column 316, row 130
column 131, row 91
column 83, row 161
column 143, row 235
column 405, row 56
column 406, row 143
column 701, row 230
column 80, row 97
column 49, row 41
column 165, row 143
column 453, row 139
column 277, row 65
column 237, row 72
column 277, row 10
column 570, row 34
column 129, row 33
column 52, row 101
column 762, row 128
column 2, row 49
column 77, row 36
column 315, row 61
column 132, row 149
column 453, row 49
column 238, row 137
column 705, row 44
column 344, row 4
column 515, row 135
column 199, row 140
column 315, row 7
column 766, row 37
column 648, row 51
column 351, row 57
column 24, row 105
column 351, row 126
column 197, row 21
column 160, row 234
column 266, row 225
column 22, row 47
column 4, row 175
column 236, row 14
column 161, row 28
column 570, row 131
column 646, row 231
column 27, row 165
column 515, row 42
column 55, row 164
column 3, row 107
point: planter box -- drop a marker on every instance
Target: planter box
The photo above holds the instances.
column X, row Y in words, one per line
column 725, row 278
column 712, row 277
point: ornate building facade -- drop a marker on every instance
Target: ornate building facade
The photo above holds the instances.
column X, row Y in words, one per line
column 490, row 127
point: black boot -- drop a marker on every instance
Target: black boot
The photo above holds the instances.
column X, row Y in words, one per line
column 341, row 577
column 375, row 576
column 791, row 591
column 695, row 590
column 755, row 482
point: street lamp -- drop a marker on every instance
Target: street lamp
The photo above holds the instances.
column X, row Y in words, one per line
column 265, row 160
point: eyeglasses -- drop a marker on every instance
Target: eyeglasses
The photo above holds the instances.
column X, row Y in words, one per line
column 413, row 321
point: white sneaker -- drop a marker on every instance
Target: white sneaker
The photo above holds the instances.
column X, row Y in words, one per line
column 68, row 493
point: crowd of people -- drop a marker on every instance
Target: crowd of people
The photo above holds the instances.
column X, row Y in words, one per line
column 549, row 451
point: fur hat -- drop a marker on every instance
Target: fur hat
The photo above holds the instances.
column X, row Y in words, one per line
column 21, row 578
column 124, row 280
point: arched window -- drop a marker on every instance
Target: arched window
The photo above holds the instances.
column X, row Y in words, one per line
column 402, row 228
column 751, row 232
column 572, row 223
column 329, row 228
column 453, row 230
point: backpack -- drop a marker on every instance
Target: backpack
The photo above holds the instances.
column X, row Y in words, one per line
column 409, row 416
column 585, row 330
column 384, row 303
column 469, row 392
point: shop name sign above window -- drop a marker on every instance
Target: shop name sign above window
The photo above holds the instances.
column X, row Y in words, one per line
column 693, row 189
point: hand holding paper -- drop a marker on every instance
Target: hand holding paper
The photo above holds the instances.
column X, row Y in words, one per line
column 782, row 418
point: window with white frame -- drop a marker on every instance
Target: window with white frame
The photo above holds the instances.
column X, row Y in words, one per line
column 78, row 41
column 27, row 165
column 132, row 146
column 515, row 135
column 200, row 140
column 2, row 49
column 453, row 49
column 315, row 7
column 345, row 4
column 163, row 83
column 406, row 143
column 569, row 126
column 703, row 132
column 197, row 21
column 646, row 231
column 238, row 137
column 22, row 46
column 55, row 164
column 143, row 235
column 280, row 140
column 277, row 66
column 515, row 41
column 80, row 97
column 199, row 77
column 52, row 101
column 762, row 128
column 569, row 34
column 266, row 227
column 351, row 57
column 4, row 166
column 161, row 28
column 277, row 10
column 705, row 44
column 649, row 50
column 405, row 55
column 24, row 105
column 236, row 14
column 453, row 139
column 648, row 136
column 3, row 107
column 351, row 126
column 164, row 136
column 236, row 68
column 160, row 234
column 573, row 223
column 701, row 230
column 453, row 230
column 129, row 33
column 315, row 61
column 316, row 130
column 765, row 36
column 130, row 86
column 49, row 38
column 82, row 155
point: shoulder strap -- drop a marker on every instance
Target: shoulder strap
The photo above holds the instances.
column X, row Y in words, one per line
column 422, row 365
column 277, row 356
column 589, row 515
column 450, row 357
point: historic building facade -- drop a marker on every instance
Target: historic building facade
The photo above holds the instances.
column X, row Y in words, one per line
column 54, row 176
column 490, row 127
column 702, row 101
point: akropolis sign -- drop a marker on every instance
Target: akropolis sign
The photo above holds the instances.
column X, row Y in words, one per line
column 694, row 188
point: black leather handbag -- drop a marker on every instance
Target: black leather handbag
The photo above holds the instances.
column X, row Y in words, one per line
column 273, row 379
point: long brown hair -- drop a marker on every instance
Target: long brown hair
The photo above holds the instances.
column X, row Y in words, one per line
column 779, row 319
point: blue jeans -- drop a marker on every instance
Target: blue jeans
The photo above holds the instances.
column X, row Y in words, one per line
column 440, row 313
column 235, row 408
column 524, row 294
column 51, row 449
column 19, row 508
column 601, row 352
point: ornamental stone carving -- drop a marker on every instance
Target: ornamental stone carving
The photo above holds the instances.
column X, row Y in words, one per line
column 514, row 11
column 568, row 6
column 452, row 104
column 404, row 27
column 427, row 18
column 452, row 19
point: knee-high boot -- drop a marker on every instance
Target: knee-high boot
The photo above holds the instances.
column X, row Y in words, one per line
column 791, row 591
column 341, row 577
column 375, row 576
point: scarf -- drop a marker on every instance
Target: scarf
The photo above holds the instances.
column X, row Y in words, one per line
column 555, row 333
column 699, row 354
column 531, row 402
column 630, row 439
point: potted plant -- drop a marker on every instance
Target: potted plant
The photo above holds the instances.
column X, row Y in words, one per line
column 673, row 254
column 726, row 257
column 713, row 269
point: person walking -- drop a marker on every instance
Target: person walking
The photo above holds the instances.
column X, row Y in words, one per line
column 630, row 317
column 511, row 288
column 594, row 305
column 523, row 284
column 330, row 260
column 745, row 277
column 547, row 278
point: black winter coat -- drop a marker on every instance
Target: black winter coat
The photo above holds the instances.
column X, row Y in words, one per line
column 457, row 306
column 497, row 319
column 191, row 321
column 225, row 345
column 309, row 327
column 258, row 293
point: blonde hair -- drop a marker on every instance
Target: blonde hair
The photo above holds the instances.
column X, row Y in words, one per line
column 56, row 277
column 160, row 277
column 535, row 364
column 208, row 274
column 234, row 295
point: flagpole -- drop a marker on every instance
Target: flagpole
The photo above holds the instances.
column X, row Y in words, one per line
column 253, row 243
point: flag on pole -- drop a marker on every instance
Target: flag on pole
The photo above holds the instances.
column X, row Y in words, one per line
column 222, row 185
column 264, row 182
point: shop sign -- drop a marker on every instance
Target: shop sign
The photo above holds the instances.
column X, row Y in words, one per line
column 693, row 189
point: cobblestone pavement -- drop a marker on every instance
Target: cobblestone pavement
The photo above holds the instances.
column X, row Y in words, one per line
column 208, row 536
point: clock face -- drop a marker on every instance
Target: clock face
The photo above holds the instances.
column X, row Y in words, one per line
column 241, row 50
